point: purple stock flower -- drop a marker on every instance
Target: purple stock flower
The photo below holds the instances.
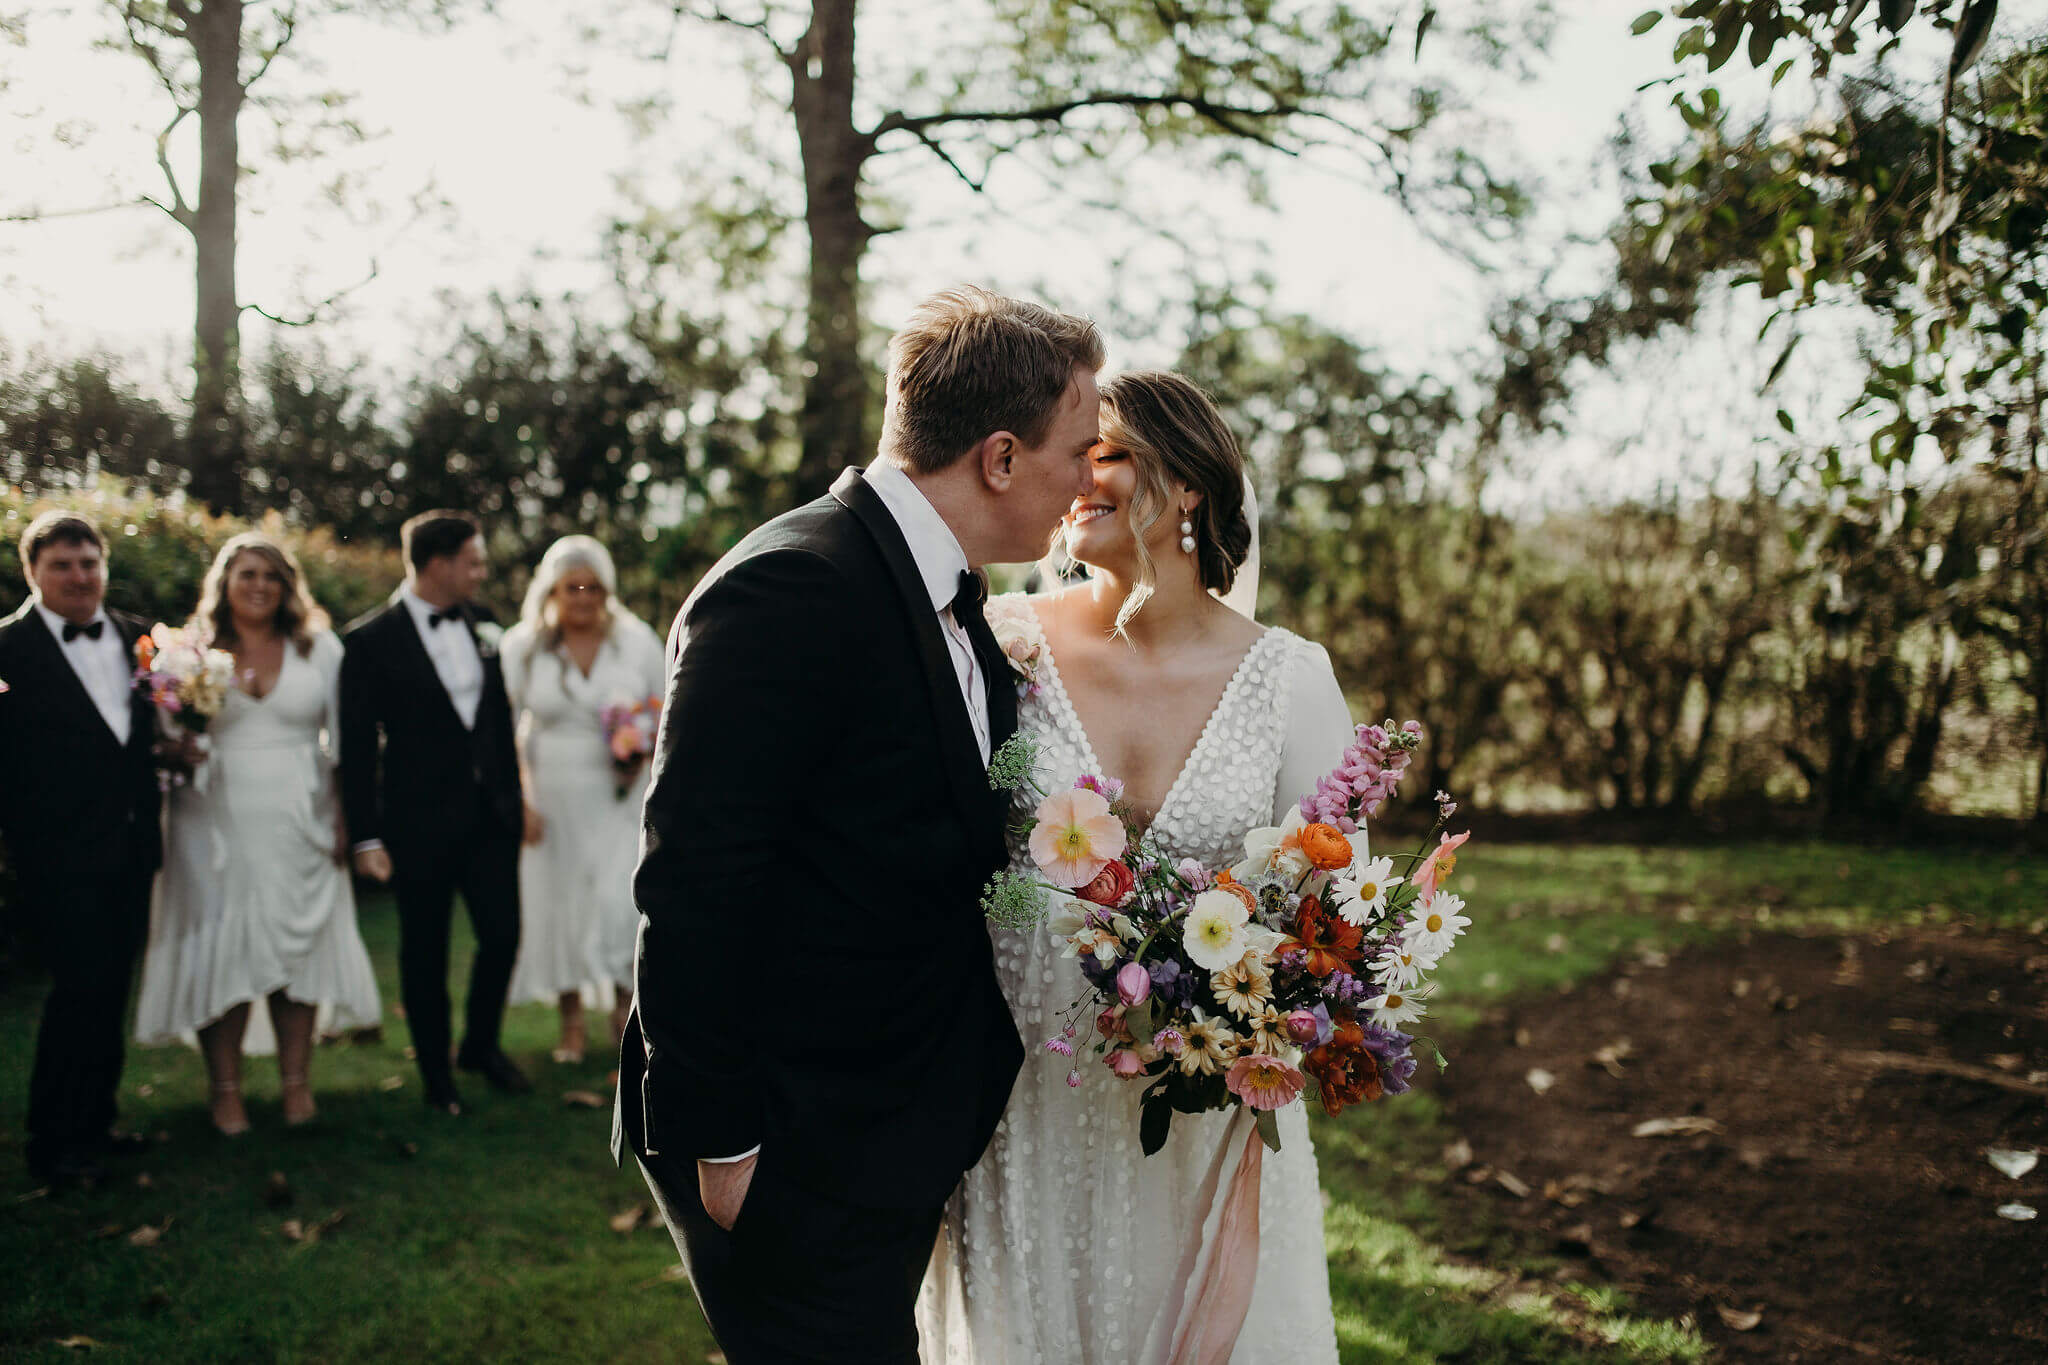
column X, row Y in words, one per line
column 1390, row 1048
column 1193, row 873
column 1364, row 778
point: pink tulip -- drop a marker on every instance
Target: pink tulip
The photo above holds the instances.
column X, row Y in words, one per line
column 1302, row 1026
column 1133, row 983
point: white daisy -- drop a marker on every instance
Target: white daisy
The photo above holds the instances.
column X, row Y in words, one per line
column 1434, row 925
column 1361, row 893
column 1394, row 1008
column 1398, row 969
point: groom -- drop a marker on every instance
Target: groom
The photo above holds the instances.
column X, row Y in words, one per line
column 435, row 808
column 79, row 807
column 818, row 1046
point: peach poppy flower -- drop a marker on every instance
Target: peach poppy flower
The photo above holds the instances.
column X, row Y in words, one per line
column 1438, row 865
column 1075, row 837
column 1263, row 1081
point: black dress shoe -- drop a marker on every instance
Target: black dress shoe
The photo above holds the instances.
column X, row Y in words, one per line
column 495, row 1067
column 67, row 1169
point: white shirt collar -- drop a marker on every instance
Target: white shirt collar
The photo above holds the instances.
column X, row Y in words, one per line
column 422, row 610
column 57, row 623
column 934, row 547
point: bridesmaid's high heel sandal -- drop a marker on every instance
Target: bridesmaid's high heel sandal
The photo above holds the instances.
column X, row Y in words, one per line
column 229, row 1118
column 299, row 1109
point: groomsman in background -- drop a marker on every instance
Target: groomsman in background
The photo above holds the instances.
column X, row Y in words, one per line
column 436, row 807
column 79, row 808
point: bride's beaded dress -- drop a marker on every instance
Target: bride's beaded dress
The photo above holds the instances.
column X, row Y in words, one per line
column 1061, row 1246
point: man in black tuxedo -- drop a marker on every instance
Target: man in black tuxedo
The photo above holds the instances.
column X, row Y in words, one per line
column 819, row 1046
column 79, row 807
column 436, row 808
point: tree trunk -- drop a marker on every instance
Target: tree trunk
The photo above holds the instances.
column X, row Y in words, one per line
column 835, row 411
column 216, row 438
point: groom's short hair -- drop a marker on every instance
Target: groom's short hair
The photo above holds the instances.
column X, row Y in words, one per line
column 58, row 528
column 970, row 363
column 433, row 534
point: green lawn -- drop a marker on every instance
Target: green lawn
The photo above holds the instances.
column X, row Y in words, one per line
column 487, row 1238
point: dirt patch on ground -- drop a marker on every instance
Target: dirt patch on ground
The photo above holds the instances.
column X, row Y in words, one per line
column 1840, row 1095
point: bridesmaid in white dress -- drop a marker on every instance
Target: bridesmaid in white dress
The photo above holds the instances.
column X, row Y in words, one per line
column 254, row 902
column 574, row 652
column 1066, row 1243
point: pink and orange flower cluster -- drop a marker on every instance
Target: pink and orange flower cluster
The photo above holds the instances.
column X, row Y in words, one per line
column 1290, row 972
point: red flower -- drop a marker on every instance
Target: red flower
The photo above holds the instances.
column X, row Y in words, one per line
column 1346, row 1073
column 1330, row 944
column 1110, row 886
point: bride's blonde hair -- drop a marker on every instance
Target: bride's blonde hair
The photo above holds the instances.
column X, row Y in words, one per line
column 1172, row 431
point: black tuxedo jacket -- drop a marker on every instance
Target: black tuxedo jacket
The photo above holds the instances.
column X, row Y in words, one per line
column 425, row 788
column 814, row 972
column 72, row 792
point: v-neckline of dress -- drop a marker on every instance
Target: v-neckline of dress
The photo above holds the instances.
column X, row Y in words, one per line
column 1066, row 713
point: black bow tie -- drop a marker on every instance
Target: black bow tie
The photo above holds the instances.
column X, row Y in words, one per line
column 435, row 618
column 72, row 630
column 968, row 601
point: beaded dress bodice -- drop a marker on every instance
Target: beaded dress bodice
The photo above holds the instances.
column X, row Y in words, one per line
column 1061, row 1243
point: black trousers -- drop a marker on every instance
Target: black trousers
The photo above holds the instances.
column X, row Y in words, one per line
column 481, row 862
column 802, row 1278
column 87, row 923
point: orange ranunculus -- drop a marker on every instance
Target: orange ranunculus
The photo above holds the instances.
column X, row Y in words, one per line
column 145, row 651
column 1330, row 943
column 1325, row 846
column 1345, row 1072
column 1226, row 882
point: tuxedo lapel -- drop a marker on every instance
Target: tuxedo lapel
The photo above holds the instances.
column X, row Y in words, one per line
column 414, row 650
column 964, row 769
column 59, row 680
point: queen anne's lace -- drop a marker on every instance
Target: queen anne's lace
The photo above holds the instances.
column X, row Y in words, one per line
column 1060, row 1246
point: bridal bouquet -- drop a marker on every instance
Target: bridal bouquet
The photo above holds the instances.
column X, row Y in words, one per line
column 1292, row 971
column 630, row 728
column 186, row 680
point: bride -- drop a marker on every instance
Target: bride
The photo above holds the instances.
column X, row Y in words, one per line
column 1063, row 1244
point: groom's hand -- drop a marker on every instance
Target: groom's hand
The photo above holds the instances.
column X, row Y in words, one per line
column 375, row 864
column 722, row 1185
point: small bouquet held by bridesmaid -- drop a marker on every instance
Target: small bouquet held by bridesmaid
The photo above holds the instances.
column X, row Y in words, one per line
column 630, row 728
column 186, row 679
column 1290, row 972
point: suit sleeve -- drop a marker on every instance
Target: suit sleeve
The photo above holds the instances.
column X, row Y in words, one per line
column 361, row 719
column 749, row 690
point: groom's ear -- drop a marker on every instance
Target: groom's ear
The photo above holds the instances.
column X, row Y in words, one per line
column 997, row 456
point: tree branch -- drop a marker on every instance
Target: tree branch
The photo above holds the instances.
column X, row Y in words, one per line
column 313, row 311
column 1237, row 120
column 978, row 186
column 180, row 211
column 716, row 15
column 40, row 216
column 287, row 26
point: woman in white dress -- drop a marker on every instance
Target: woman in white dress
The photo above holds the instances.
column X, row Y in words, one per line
column 254, row 902
column 574, row 653
column 1065, row 1244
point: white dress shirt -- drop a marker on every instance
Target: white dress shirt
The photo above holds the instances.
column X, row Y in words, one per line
column 940, row 562
column 101, row 665
column 453, row 650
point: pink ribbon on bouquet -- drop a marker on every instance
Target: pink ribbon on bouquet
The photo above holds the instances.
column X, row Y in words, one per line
column 1219, row 1262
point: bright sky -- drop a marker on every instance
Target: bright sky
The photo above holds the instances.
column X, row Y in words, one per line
column 529, row 171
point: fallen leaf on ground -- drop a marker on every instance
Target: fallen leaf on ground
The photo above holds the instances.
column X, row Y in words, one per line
column 308, row 1233
column 2018, row 1213
column 1555, row 943
column 145, row 1181
column 1685, row 1125
column 1457, row 1155
column 629, row 1219
column 1738, row 988
column 1924, row 1026
column 585, row 1099
column 2011, row 1162
column 1653, row 957
column 148, row 1235
column 1539, row 1080
column 1612, row 1056
column 2006, row 1061
column 1737, row 1319
column 76, row 1343
column 1515, row 1186
column 1918, row 971
column 391, row 1083
column 1523, row 1037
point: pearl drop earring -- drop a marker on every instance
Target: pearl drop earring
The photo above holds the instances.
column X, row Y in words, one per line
column 1187, row 533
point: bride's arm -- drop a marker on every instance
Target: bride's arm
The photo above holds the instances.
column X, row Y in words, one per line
column 1319, row 728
